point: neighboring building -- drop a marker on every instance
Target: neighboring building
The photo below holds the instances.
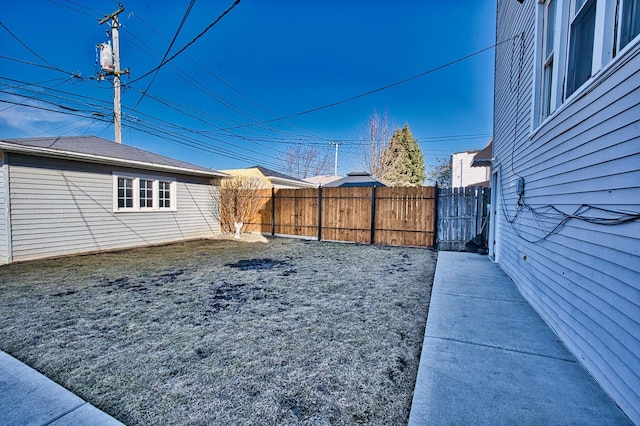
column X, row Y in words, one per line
column 483, row 159
column 566, row 177
column 463, row 174
column 361, row 179
column 69, row 195
column 271, row 178
column 322, row 180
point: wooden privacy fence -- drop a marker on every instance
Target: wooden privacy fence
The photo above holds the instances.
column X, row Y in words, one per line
column 463, row 220
column 378, row 215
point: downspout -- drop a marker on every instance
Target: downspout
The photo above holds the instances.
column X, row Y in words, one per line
column 4, row 163
column 373, row 215
column 273, row 210
column 319, row 212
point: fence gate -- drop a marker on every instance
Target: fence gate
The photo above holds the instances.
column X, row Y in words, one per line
column 463, row 220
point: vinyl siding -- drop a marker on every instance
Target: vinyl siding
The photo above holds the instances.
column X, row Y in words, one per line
column 63, row 207
column 584, row 279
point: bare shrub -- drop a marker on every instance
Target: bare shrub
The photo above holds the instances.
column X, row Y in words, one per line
column 237, row 199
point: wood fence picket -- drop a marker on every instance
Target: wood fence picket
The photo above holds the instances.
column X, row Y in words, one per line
column 462, row 216
column 391, row 216
column 448, row 218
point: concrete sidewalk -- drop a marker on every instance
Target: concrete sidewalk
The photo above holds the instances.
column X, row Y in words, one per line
column 29, row 398
column 489, row 359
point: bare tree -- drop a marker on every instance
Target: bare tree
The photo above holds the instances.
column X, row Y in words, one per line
column 390, row 169
column 373, row 140
column 236, row 200
column 440, row 174
column 303, row 161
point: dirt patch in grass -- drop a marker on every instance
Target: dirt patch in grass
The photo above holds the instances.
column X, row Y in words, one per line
column 226, row 332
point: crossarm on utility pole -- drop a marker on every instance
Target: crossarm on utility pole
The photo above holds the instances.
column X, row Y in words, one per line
column 117, row 111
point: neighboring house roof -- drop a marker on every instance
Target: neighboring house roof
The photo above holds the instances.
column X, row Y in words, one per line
column 360, row 179
column 483, row 158
column 250, row 173
column 271, row 177
column 93, row 149
column 282, row 179
column 322, row 180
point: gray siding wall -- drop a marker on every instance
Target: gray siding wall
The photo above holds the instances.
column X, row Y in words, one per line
column 4, row 234
column 583, row 279
column 62, row 207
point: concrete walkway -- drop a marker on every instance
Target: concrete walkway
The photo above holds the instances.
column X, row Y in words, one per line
column 29, row 398
column 489, row 359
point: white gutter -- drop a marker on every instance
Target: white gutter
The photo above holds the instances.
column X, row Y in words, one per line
column 290, row 182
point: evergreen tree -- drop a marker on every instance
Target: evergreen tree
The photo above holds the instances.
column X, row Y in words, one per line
column 402, row 162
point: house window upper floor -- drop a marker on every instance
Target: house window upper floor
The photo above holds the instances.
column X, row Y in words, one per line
column 138, row 193
column 575, row 40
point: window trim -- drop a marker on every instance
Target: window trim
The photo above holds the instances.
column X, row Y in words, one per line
column 620, row 24
column 160, row 191
column 155, row 185
column 548, row 93
column 606, row 54
column 125, row 187
column 153, row 191
column 559, row 62
column 576, row 17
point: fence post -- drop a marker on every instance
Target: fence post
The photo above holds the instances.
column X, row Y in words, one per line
column 479, row 201
column 373, row 214
column 320, row 213
column 436, row 226
column 273, row 211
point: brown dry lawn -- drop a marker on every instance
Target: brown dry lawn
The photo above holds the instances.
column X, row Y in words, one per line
column 282, row 331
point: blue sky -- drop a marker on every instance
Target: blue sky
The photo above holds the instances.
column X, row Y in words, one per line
column 220, row 102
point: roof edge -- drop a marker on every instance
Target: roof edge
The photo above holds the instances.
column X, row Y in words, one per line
column 100, row 159
column 303, row 183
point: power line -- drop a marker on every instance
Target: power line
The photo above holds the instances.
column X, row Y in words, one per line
column 90, row 102
column 42, row 93
column 323, row 139
column 84, row 103
column 175, row 37
column 227, row 132
column 69, row 111
column 168, row 127
column 163, row 63
column 151, row 128
column 206, row 91
column 379, row 89
column 74, row 9
column 156, row 127
column 33, row 51
column 54, row 68
column 189, row 79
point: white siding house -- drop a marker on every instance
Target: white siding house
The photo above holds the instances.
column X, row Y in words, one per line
column 566, row 176
column 463, row 173
column 61, row 196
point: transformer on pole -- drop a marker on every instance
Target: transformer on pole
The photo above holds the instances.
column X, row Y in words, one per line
column 110, row 65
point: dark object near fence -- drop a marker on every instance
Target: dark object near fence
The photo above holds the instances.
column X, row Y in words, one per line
column 463, row 219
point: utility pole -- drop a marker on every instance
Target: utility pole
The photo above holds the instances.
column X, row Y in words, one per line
column 117, row 111
column 335, row 162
